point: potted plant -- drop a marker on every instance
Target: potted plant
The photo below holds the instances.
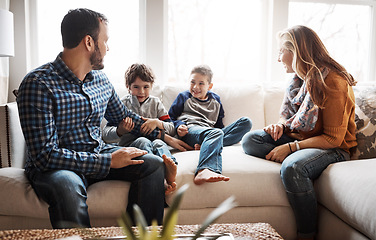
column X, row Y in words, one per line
column 168, row 228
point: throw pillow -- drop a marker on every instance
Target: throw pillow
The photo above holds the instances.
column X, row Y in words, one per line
column 365, row 119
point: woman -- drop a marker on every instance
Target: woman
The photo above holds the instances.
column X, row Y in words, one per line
column 317, row 122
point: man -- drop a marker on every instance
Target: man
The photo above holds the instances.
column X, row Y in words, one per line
column 61, row 105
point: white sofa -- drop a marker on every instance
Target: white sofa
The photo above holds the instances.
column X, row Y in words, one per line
column 347, row 208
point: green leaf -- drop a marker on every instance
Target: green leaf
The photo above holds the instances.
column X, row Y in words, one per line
column 154, row 233
column 140, row 220
column 126, row 224
column 171, row 217
column 226, row 205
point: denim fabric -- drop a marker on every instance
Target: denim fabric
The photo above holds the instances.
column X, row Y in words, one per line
column 212, row 141
column 298, row 170
column 66, row 191
column 157, row 147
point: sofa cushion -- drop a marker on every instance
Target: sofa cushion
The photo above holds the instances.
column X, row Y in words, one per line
column 365, row 118
column 347, row 189
column 16, row 191
column 17, row 197
column 253, row 181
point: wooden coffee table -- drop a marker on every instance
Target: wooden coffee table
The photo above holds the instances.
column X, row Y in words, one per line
column 252, row 231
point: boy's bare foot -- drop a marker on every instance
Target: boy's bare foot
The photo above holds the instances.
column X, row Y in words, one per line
column 170, row 188
column 197, row 146
column 171, row 169
column 208, row 176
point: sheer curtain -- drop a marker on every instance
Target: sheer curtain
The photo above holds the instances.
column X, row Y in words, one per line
column 4, row 66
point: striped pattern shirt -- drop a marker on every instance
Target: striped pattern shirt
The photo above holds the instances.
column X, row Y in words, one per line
column 60, row 117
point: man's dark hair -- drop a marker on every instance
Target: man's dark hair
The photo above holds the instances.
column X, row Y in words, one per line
column 78, row 23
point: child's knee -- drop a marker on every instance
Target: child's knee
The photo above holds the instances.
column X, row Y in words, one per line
column 246, row 122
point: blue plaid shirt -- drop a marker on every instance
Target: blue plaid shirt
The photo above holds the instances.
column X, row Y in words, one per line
column 61, row 115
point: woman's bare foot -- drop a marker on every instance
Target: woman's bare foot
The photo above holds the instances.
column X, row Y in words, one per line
column 197, row 146
column 170, row 188
column 171, row 170
column 208, row 176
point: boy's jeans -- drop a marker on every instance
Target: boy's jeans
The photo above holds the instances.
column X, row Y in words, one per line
column 212, row 141
column 157, row 147
column 297, row 172
column 66, row 191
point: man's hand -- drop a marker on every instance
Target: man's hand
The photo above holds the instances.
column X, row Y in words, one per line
column 124, row 157
column 125, row 126
column 177, row 143
column 275, row 130
column 149, row 125
column 182, row 130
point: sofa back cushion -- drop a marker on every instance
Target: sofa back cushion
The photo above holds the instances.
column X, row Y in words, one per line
column 365, row 119
column 243, row 101
column 12, row 142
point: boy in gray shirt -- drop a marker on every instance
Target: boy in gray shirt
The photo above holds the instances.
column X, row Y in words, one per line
column 197, row 115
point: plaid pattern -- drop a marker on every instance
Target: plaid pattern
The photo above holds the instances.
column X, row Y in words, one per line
column 61, row 116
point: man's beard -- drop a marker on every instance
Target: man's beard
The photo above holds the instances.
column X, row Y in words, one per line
column 96, row 59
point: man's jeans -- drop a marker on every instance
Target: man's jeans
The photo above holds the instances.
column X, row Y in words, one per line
column 66, row 191
column 157, row 147
column 212, row 141
column 297, row 172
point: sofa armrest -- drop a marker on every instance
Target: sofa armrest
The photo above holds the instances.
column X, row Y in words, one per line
column 12, row 142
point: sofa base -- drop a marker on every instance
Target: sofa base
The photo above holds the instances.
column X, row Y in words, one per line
column 333, row 228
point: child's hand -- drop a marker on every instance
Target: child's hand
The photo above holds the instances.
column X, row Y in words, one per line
column 149, row 125
column 125, row 126
column 182, row 130
column 177, row 143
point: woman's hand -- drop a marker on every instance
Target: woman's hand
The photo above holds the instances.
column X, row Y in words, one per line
column 279, row 153
column 149, row 125
column 275, row 130
column 182, row 130
column 125, row 126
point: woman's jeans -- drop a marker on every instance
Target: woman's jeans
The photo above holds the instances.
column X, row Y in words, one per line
column 66, row 191
column 157, row 147
column 297, row 172
column 212, row 141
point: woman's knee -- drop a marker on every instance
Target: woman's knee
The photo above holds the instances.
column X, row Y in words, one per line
column 250, row 142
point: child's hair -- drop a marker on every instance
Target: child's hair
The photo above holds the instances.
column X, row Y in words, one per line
column 138, row 70
column 203, row 70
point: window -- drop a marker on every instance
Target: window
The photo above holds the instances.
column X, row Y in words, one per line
column 224, row 34
column 123, row 32
column 236, row 38
column 345, row 30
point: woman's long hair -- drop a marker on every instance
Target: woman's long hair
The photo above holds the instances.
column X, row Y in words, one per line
column 309, row 58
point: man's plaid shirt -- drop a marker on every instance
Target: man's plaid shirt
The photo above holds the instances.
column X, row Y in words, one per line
column 61, row 116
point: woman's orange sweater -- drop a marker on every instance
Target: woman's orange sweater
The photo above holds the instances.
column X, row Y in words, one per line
column 336, row 121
